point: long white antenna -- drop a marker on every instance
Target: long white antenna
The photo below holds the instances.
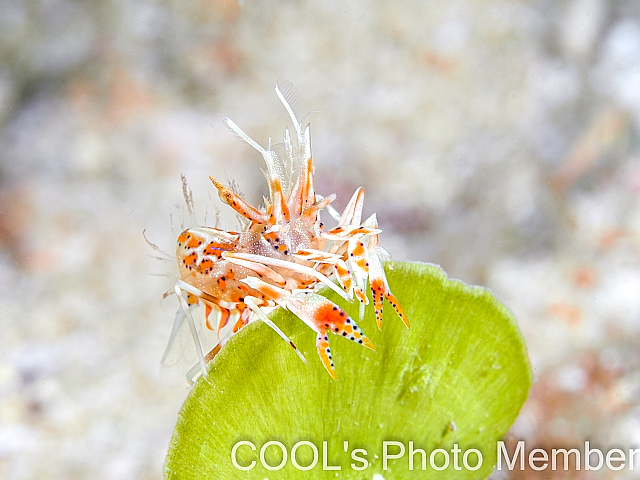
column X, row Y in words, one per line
column 291, row 114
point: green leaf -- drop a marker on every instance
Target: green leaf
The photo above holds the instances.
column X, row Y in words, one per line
column 459, row 376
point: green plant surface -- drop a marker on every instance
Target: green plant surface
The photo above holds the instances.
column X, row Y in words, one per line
column 459, row 375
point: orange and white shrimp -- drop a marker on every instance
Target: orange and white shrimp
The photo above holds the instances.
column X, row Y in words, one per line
column 282, row 255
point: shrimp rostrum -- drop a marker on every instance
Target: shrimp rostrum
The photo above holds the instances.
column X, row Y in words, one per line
column 283, row 255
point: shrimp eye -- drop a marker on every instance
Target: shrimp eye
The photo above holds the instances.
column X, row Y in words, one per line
column 226, row 196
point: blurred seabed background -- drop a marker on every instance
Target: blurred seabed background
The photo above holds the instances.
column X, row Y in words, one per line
column 496, row 138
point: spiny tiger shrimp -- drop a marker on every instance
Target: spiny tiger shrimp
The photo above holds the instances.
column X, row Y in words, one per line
column 283, row 255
